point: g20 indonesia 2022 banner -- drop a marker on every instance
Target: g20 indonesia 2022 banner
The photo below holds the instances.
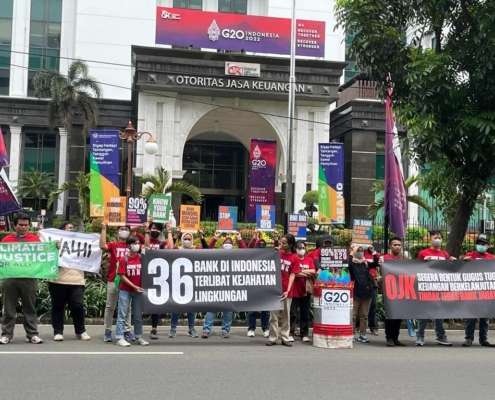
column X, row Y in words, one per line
column 262, row 166
column 236, row 32
column 104, row 165
column 439, row 289
column 331, row 208
column 205, row 280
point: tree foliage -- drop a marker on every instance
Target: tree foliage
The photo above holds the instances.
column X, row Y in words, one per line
column 81, row 186
column 36, row 185
column 310, row 199
column 444, row 96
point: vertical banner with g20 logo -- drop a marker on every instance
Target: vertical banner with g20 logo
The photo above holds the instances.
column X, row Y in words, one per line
column 331, row 207
column 262, row 167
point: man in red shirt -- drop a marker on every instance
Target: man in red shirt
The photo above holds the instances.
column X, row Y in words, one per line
column 23, row 288
column 392, row 326
column 481, row 253
column 433, row 253
column 372, row 257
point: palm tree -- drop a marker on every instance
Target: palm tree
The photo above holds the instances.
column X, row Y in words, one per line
column 160, row 182
column 81, row 185
column 75, row 93
column 37, row 186
column 310, row 198
column 379, row 187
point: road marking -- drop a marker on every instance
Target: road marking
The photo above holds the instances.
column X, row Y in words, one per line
column 97, row 353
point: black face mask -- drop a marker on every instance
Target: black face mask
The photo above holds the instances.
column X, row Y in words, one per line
column 154, row 234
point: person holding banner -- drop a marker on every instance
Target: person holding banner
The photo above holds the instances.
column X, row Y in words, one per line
column 116, row 249
column 68, row 289
column 302, row 290
column 372, row 257
column 433, row 253
column 280, row 320
column 130, row 293
column 23, row 288
column 480, row 253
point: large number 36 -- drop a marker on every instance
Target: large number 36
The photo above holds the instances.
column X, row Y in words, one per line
column 161, row 292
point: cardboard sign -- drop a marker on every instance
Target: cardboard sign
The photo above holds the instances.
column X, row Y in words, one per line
column 265, row 217
column 297, row 226
column 159, row 207
column 136, row 211
column 115, row 210
column 189, row 218
column 333, row 257
column 227, row 219
column 362, row 232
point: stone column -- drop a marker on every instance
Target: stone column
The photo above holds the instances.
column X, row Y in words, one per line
column 15, row 155
column 62, row 169
column 300, row 157
column 20, row 44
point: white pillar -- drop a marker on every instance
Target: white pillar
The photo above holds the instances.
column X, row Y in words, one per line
column 62, row 168
column 300, row 158
column 15, row 155
column 68, row 35
column 147, row 122
column 19, row 58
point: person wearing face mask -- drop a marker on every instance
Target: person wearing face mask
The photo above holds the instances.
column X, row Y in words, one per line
column 302, row 290
column 372, row 257
column 116, row 250
column 480, row 253
column 228, row 244
column 433, row 253
column 68, row 289
column 130, row 293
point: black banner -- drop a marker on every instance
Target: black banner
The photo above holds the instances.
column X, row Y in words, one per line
column 439, row 289
column 211, row 280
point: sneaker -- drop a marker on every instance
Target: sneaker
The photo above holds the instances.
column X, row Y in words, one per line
column 34, row 340
column 225, row 334
column 140, row 341
column 420, row 341
column 172, row 333
column 271, row 343
column 129, row 336
column 5, row 340
column 205, row 335
column 390, row 343
column 306, row 339
column 363, row 339
column 374, row 332
column 192, row 333
column 58, row 338
column 467, row 343
column 84, row 336
column 107, row 338
column 266, row 333
column 443, row 341
column 291, row 339
column 250, row 333
column 399, row 343
column 287, row 344
column 486, row 343
column 123, row 343
column 153, row 334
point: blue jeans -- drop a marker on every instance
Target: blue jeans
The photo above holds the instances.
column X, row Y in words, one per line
column 226, row 322
column 265, row 320
column 136, row 300
column 174, row 320
column 470, row 326
column 439, row 330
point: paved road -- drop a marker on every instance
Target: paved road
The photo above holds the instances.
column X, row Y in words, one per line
column 242, row 368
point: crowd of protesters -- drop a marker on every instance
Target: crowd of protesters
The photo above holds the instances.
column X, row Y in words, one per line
column 299, row 269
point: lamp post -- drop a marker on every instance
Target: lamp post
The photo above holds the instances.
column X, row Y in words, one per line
column 130, row 135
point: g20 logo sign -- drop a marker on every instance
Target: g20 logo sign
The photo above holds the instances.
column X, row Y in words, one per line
column 336, row 297
column 258, row 163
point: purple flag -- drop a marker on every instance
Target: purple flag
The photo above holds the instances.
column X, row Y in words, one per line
column 4, row 160
column 8, row 201
column 395, row 192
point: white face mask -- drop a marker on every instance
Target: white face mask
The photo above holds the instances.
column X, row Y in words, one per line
column 301, row 252
column 436, row 242
column 187, row 243
column 124, row 234
column 135, row 247
column 227, row 246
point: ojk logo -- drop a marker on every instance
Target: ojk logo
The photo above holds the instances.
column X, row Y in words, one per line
column 258, row 161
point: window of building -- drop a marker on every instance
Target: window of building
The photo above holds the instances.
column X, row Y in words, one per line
column 380, row 156
column 44, row 37
column 233, row 6
column 40, row 150
column 5, row 44
column 194, row 4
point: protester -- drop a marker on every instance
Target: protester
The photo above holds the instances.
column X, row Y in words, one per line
column 372, row 257
column 116, row 249
column 480, row 253
column 130, row 293
column 280, row 320
column 20, row 288
column 68, row 289
column 433, row 253
column 324, row 242
column 228, row 244
column 302, row 290
column 363, row 290
column 392, row 326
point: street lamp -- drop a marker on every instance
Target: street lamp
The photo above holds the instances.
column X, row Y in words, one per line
column 130, row 135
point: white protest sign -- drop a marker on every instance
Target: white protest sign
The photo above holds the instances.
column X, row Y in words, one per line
column 335, row 306
column 77, row 250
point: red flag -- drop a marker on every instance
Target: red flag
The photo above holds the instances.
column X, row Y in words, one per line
column 8, row 201
column 4, row 161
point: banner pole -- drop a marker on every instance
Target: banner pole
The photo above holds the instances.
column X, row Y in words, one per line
column 385, row 233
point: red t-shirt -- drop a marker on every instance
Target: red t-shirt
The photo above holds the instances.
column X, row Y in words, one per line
column 302, row 264
column 287, row 267
column 156, row 244
column 131, row 268
column 315, row 254
column 116, row 250
column 433, row 254
column 28, row 237
column 480, row 256
column 391, row 257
